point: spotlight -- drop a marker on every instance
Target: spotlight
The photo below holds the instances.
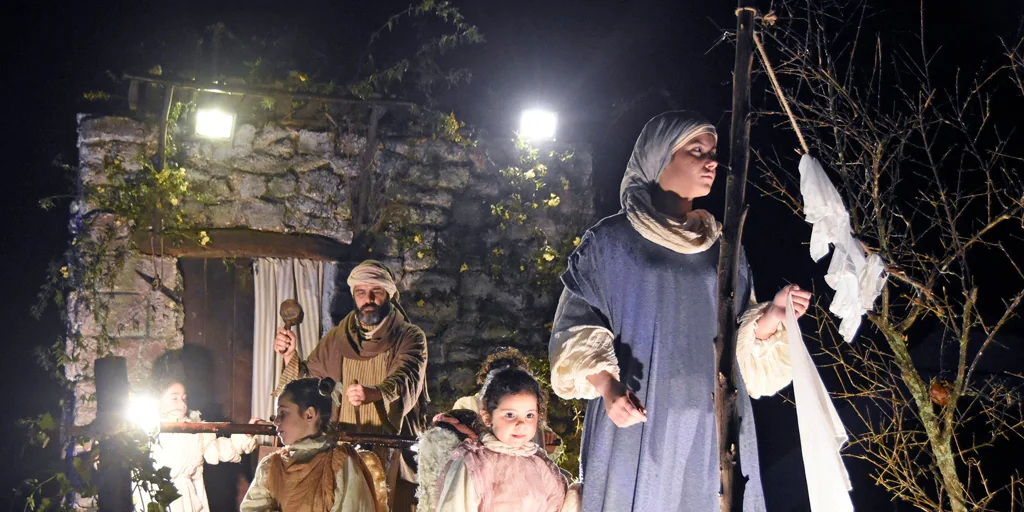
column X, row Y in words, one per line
column 214, row 123
column 538, row 125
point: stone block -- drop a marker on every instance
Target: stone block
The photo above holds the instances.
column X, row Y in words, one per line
column 244, row 137
column 275, row 140
column 252, row 186
column 427, row 284
column 488, row 187
column 416, row 260
column 422, row 176
column 335, row 228
column 260, row 164
column 351, row 144
column 224, row 215
column 430, row 197
column 384, row 244
column 475, row 285
column 315, row 142
column 216, row 188
column 399, row 146
column 308, row 163
column 427, row 216
column 112, row 128
column 283, row 185
column 463, row 380
column 347, row 167
column 441, row 151
column 264, row 215
column 99, row 155
column 453, row 177
column 223, row 150
column 472, row 214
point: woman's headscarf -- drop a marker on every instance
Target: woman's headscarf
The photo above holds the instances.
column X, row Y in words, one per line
column 661, row 137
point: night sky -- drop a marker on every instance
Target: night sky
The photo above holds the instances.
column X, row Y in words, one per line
column 606, row 66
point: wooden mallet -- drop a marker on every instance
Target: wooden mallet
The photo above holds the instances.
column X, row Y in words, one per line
column 291, row 313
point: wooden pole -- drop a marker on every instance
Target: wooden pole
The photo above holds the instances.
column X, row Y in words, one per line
column 726, row 414
column 262, row 429
column 114, row 477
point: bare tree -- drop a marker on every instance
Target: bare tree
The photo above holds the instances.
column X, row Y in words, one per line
column 930, row 176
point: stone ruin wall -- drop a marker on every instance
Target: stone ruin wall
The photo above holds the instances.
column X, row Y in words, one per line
column 440, row 241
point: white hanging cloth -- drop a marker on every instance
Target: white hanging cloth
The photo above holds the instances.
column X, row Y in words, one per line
column 822, row 434
column 274, row 281
column 856, row 277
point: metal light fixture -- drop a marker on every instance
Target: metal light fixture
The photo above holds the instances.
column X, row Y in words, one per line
column 214, row 123
column 538, row 125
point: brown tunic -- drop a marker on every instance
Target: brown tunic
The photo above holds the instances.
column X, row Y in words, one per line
column 398, row 344
column 401, row 348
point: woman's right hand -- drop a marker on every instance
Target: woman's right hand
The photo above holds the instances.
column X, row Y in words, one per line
column 622, row 405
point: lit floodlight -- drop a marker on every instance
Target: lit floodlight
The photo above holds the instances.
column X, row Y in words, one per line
column 214, row 123
column 536, row 124
column 144, row 412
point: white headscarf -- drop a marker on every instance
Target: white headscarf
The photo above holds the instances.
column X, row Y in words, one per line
column 661, row 137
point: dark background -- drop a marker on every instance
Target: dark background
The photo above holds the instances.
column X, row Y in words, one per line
column 606, row 66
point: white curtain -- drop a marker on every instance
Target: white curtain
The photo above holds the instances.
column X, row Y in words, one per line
column 276, row 280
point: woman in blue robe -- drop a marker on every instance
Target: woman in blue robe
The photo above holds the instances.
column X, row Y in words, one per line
column 635, row 328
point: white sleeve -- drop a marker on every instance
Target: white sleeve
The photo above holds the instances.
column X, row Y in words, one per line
column 226, row 449
column 458, row 494
column 573, row 499
column 257, row 498
column 764, row 364
column 581, row 351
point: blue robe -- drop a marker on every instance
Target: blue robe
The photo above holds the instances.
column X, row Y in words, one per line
column 661, row 307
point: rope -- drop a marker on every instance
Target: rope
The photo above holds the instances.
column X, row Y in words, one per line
column 778, row 92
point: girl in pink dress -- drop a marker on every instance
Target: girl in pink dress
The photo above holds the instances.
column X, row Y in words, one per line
column 505, row 471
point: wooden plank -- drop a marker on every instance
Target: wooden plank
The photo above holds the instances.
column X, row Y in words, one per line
column 220, row 332
column 243, row 312
column 193, row 275
column 244, row 243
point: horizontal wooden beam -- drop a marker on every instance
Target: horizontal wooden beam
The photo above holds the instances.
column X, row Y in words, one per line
column 388, row 440
column 265, row 92
column 243, row 243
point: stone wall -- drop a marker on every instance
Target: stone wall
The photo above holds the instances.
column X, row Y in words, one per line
column 467, row 282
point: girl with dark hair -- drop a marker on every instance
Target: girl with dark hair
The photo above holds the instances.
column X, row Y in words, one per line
column 505, row 470
column 503, row 358
column 184, row 454
column 313, row 472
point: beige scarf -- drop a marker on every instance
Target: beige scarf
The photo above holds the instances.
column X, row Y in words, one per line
column 302, row 479
column 696, row 233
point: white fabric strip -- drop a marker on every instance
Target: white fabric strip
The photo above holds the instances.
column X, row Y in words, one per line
column 822, row 434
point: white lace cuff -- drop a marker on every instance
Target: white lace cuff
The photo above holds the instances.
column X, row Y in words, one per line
column 764, row 364
column 585, row 350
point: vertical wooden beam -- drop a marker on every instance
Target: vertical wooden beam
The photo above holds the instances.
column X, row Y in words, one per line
column 726, row 414
column 114, row 476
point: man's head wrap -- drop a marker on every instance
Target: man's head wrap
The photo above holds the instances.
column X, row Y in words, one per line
column 374, row 273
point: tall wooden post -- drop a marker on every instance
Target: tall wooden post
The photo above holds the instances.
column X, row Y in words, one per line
column 726, row 414
column 114, row 476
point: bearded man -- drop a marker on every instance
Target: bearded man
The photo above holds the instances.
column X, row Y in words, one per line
column 379, row 361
